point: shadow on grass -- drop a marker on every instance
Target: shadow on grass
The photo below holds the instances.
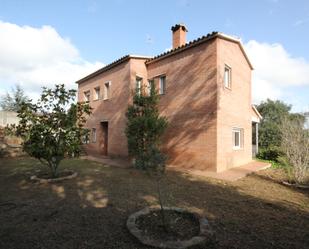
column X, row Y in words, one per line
column 91, row 210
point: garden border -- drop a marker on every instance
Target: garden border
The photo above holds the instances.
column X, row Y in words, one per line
column 205, row 231
column 51, row 180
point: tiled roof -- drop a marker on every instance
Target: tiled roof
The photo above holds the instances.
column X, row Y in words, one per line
column 149, row 60
column 197, row 42
column 185, row 46
column 109, row 66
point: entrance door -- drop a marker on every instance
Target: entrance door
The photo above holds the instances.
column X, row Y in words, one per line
column 104, row 138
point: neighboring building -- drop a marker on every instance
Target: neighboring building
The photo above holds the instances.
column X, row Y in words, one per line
column 10, row 146
column 205, row 88
column 8, row 118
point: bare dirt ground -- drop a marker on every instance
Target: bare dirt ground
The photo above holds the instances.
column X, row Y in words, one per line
column 90, row 211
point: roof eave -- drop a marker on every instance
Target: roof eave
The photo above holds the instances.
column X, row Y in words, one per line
column 257, row 112
column 111, row 65
column 230, row 38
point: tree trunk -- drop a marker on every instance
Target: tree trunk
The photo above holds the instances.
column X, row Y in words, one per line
column 53, row 165
column 161, row 205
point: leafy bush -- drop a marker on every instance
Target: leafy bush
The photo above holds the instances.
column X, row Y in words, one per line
column 270, row 153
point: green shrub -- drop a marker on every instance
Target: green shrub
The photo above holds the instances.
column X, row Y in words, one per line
column 270, row 153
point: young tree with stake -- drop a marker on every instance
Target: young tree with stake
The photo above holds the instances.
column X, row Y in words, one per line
column 145, row 128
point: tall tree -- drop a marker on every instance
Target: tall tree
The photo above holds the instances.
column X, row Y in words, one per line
column 273, row 113
column 12, row 101
column 53, row 127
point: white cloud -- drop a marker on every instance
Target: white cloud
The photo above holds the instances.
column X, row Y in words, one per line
column 300, row 22
column 275, row 70
column 36, row 57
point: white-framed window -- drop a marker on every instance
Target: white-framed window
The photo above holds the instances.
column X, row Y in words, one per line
column 107, row 89
column 227, row 76
column 97, row 94
column 162, row 85
column 139, row 82
column 94, row 135
column 87, row 96
column 237, row 136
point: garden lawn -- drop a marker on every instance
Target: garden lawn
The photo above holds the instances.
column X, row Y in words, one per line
column 91, row 210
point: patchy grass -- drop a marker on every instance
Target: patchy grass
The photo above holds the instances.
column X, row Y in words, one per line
column 91, row 210
column 274, row 164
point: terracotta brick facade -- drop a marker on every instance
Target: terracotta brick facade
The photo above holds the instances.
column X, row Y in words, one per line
column 234, row 107
column 201, row 111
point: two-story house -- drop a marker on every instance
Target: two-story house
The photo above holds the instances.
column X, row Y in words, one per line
column 205, row 92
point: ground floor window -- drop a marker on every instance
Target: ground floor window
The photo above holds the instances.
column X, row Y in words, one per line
column 94, row 135
column 237, row 135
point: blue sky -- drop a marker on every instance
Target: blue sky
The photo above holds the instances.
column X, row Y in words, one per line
column 98, row 32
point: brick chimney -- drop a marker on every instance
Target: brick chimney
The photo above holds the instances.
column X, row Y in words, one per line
column 179, row 35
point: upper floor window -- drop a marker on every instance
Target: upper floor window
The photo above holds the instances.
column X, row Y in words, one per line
column 107, row 89
column 97, row 94
column 87, row 96
column 237, row 135
column 162, row 85
column 139, row 85
column 227, row 76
